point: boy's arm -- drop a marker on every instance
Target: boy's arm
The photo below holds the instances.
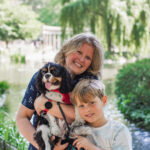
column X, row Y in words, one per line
column 123, row 140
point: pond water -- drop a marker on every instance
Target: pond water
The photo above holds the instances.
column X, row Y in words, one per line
column 18, row 75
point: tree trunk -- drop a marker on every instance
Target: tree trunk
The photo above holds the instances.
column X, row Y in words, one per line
column 7, row 44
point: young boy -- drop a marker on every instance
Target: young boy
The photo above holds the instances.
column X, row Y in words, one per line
column 89, row 98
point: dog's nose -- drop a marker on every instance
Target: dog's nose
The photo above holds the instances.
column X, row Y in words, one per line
column 47, row 76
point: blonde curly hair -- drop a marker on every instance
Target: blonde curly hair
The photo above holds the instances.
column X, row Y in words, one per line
column 76, row 42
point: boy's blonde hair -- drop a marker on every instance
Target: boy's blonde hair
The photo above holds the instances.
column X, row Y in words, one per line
column 86, row 90
column 75, row 43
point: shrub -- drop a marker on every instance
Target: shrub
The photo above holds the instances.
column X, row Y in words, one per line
column 3, row 87
column 9, row 132
column 18, row 58
column 132, row 88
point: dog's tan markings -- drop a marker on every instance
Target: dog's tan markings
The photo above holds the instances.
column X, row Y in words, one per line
column 44, row 69
column 52, row 68
column 59, row 79
column 53, row 79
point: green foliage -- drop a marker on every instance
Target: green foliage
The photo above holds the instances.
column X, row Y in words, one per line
column 111, row 55
column 73, row 12
column 65, row 1
column 133, row 91
column 49, row 14
column 17, row 22
column 118, row 28
column 4, row 86
column 9, row 132
column 18, row 58
column 48, row 10
column 79, row 14
column 121, row 23
column 139, row 29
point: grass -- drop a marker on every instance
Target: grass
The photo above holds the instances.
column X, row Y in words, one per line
column 9, row 132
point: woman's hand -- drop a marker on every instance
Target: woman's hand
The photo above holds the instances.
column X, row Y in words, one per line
column 60, row 146
column 39, row 103
column 82, row 142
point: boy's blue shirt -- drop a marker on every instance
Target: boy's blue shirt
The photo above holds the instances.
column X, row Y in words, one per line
column 32, row 93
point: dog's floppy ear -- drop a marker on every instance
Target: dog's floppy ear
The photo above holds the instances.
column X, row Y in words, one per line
column 66, row 83
column 39, row 85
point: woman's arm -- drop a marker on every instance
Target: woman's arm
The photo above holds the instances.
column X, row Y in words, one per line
column 23, row 123
column 69, row 112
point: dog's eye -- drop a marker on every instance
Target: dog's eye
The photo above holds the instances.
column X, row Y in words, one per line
column 52, row 68
column 44, row 70
column 56, row 72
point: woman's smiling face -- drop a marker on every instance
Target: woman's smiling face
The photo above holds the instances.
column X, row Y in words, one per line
column 80, row 60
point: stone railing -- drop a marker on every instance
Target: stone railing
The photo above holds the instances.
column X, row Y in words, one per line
column 51, row 36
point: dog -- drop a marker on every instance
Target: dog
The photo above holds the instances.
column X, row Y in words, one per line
column 55, row 83
column 80, row 128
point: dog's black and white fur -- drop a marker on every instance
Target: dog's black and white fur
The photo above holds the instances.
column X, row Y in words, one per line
column 52, row 76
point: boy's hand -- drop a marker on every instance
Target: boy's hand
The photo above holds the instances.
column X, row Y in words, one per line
column 82, row 142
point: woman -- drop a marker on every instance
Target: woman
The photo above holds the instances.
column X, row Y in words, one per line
column 82, row 56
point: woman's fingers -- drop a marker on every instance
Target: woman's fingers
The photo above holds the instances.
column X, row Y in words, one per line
column 64, row 145
column 60, row 146
column 52, row 138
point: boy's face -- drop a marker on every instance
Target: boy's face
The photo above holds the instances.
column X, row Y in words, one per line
column 92, row 112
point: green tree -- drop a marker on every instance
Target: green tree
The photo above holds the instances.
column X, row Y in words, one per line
column 80, row 14
column 48, row 10
column 50, row 13
column 35, row 4
column 121, row 22
column 17, row 22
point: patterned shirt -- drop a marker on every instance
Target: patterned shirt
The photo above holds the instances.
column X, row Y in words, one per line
column 32, row 93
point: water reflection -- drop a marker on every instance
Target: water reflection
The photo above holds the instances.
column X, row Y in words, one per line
column 13, row 99
column 140, row 137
